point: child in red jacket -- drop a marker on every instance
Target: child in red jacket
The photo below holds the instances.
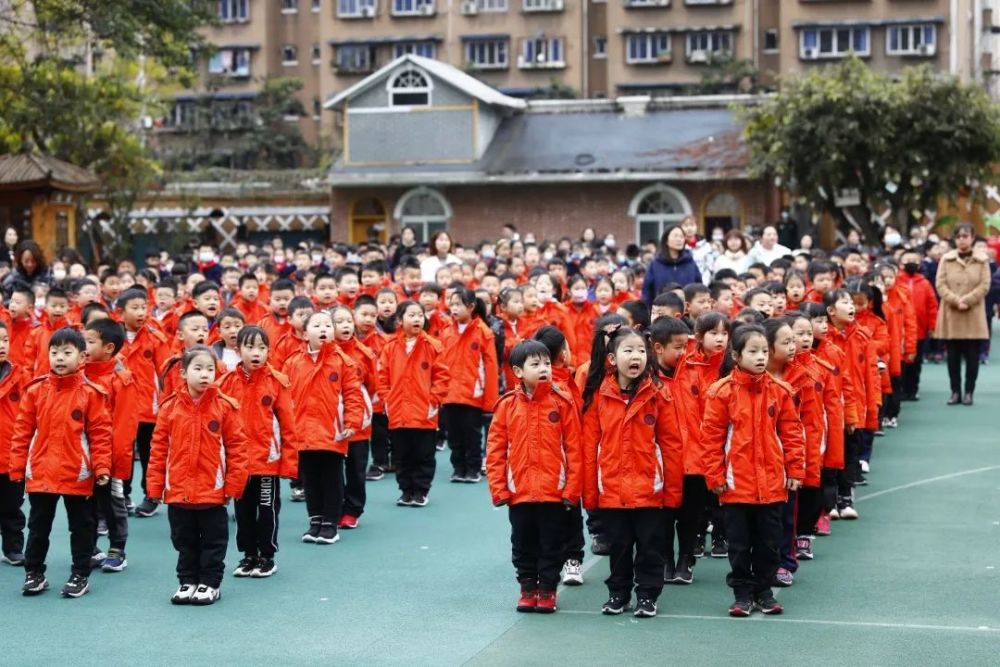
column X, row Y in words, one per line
column 413, row 379
column 265, row 401
column 533, row 465
column 752, row 454
column 632, row 467
column 13, row 380
column 925, row 307
column 198, row 461
column 61, row 447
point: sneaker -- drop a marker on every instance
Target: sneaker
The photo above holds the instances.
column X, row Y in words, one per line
column 456, row 478
column 684, row 572
column 440, row 445
column 327, row 534
column 720, row 548
column 245, row 567
column 298, row 494
column 405, row 500
column 699, row 547
column 860, row 481
column 645, row 608
column 147, row 508
column 879, row 433
column 97, row 559
column 768, row 605
column 313, row 532
column 527, row 602
column 102, row 527
column 893, row 422
column 834, row 514
column 183, row 594
column 129, row 506
column 76, row 587
column 474, row 478
column 34, row 583
column 348, row 521
column 599, row 546
column 848, row 513
column 374, row 473
column 572, row 573
column 265, row 568
column 803, row 548
column 15, row 558
column 419, row 500
column 668, row 572
column 865, row 467
column 615, row 605
column 546, row 602
column 823, row 525
column 205, row 595
column 740, row 608
column 783, row 578
column 115, row 562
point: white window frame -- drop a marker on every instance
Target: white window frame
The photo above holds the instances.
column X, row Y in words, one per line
column 236, row 11
column 356, row 9
column 777, row 40
column 286, row 50
column 369, row 58
column 916, row 35
column 289, row 6
column 707, row 3
column 662, row 220
column 531, row 48
column 317, row 54
column 709, row 42
column 410, row 74
column 835, row 51
column 497, row 50
column 413, row 7
column 217, row 65
column 424, row 49
column 317, row 6
column 644, row 4
column 657, row 45
column 423, row 223
column 600, row 47
column 542, row 5
column 491, row 6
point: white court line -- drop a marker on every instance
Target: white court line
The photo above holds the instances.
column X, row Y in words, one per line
column 812, row 621
column 929, row 480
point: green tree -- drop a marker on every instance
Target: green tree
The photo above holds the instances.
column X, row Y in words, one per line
column 900, row 144
column 725, row 74
column 271, row 142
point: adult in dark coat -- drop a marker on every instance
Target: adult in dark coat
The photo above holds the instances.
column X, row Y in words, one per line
column 674, row 264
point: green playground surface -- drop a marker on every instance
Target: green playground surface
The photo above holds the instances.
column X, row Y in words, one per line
column 914, row 581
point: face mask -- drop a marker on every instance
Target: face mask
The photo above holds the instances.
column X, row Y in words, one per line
column 718, row 236
column 317, row 259
column 488, row 253
column 205, row 256
column 893, row 239
column 610, row 243
column 58, row 275
column 911, row 268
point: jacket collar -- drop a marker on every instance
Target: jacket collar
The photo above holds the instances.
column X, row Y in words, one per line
column 66, row 381
column 542, row 391
column 100, row 369
column 750, row 381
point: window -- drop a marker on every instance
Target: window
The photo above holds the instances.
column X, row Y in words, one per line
column 317, row 107
column 833, row 42
column 356, row 8
column 412, row 7
column 647, row 3
column 600, row 46
column 230, row 62
column 425, row 210
column 488, row 5
column 543, row 5
column 700, row 45
column 541, row 52
column 234, row 11
column 911, row 40
column 655, row 209
column 316, row 6
column 425, row 49
column 722, row 211
column 770, row 41
column 486, row 54
column 289, row 55
column 355, row 58
column 317, row 54
column 411, row 88
column 182, row 115
column 708, row 2
column 647, row 47
column 231, row 115
column 289, row 6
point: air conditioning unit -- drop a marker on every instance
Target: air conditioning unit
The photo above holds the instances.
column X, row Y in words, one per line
column 556, row 5
column 926, row 50
column 664, row 57
column 427, row 10
column 522, row 62
column 809, row 54
column 698, row 56
column 470, row 7
column 368, row 12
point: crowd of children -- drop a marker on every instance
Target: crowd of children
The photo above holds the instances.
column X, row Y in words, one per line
column 744, row 410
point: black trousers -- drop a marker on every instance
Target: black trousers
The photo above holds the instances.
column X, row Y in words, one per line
column 852, row 467
column 690, row 517
column 829, row 489
column 11, row 517
column 465, row 437
column 413, row 449
column 109, row 502
column 536, row 540
column 754, row 533
column 355, row 468
column 381, row 447
column 957, row 351
column 789, row 523
column 638, row 541
column 143, row 438
column 257, row 516
column 810, row 504
column 201, row 538
column 322, row 474
column 80, row 516
column 573, row 541
column 891, row 402
column 911, row 371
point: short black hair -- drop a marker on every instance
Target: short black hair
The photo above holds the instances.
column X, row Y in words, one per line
column 669, row 300
column 342, row 273
column 231, row 312
column 748, row 297
column 90, row 308
column 204, row 286
column 56, row 293
column 108, row 331
column 21, row 287
column 251, row 333
column 433, row 288
column 553, row 340
column 364, row 300
column 527, row 349
column 300, row 303
column 716, row 288
column 409, row 262
column 378, row 266
column 639, row 312
column 665, row 328
column 188, row 315
column 131, row 294
column 325, row 276
column 247, row 277
column 283, row 285
column 68, row 336
column 78, row 285
column 722, row 274
column 694, row 289
column 167, row 283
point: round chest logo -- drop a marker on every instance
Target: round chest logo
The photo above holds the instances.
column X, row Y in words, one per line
column 213, row 426
column 266, row 401
column 148, row 354
column 334, row 377
column 861, row 356
column 836, row 371
column 649, row 419
column 553, row 416
column 14, row 396
column 771, row 411
column 796, row 400
column 819, row 386
column 694, row 390
column 77, row 415
column 474, row 347
column 424, row 365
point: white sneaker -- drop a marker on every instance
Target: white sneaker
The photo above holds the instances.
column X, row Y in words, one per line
column 204, row 595
column 849, row 513
column 865, row 468
column 572, row 573
column 183, row 594
column 834, row 514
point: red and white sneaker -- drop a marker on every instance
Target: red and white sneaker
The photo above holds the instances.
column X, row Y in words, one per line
column 348, row 521
column 546, row 602
column 823, row 525
column 528, row 601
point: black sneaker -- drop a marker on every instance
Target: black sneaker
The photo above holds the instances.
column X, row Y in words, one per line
column 76, row 587
column 374, row 473
column 740, row 608
column 310, row 535
column 668, row 572
column 599, row 546
column 720, row 548
column 699, row 547
column 457, row 477
column 474, row 478
column 15, row 558
column 684, row 572
column 419, row 500
column 102, row 527
column 405, row 500
column 298, row 494
column 768, row 605
column 616, row 604
column 129, row 506
column 147, row 508
column 245, row 567
column 327, row 534
column 645, row 608
column 34, row 583
column 97, row 559
column 265, row 568
column 441, row 445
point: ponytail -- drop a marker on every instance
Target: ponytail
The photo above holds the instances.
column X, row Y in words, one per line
column 605, row 344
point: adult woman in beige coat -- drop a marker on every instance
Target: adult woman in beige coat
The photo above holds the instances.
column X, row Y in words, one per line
column 963, row 279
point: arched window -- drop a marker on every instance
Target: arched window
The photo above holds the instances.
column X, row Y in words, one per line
column 721, row 210
column 410, row 88
column 655, row 209
column 424, row 209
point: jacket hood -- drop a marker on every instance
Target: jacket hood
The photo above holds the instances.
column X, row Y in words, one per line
column 684, row 258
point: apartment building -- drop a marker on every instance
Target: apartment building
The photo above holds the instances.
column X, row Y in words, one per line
column 584, row 48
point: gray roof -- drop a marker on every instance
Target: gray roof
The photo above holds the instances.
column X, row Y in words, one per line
column 582, row 146
column 30, row 170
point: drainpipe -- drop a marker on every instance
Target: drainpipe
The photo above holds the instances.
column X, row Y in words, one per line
column 953, row 38
column 585, row 49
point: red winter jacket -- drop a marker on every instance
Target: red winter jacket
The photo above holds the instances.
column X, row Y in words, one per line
column 806, row 381
column 144, row 356
column 925, row 303
column 471, row 357
column 413, row 386
column 13, row 381
column 122, row 400
column 326, row 398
